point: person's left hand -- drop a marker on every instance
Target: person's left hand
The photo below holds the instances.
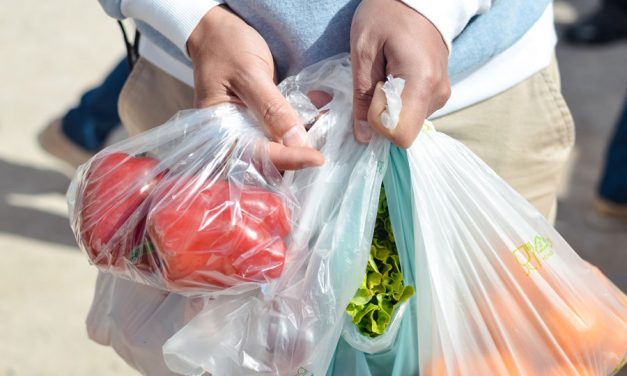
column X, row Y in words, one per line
column 388, row 37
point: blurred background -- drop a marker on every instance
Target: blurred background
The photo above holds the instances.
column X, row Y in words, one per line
column 52, row 52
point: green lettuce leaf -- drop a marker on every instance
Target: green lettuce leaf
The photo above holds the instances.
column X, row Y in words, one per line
column 382, row 288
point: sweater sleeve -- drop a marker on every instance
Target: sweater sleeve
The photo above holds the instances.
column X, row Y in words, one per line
column 112, row 8
column 174, row 19
column 449, row 16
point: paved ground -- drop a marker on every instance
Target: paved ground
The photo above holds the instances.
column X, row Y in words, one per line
column 51, row 51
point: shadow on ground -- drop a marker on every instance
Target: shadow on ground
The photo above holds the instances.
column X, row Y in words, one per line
column 28, row 221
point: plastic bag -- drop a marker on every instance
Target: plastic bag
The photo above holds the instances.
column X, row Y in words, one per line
column 353, row 336
column 499, row 291
column 401, row 358
column 193, row 206
column 294, row 327
column 291, row 325
column 393, row 88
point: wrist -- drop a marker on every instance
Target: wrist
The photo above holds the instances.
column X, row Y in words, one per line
column 207, row 26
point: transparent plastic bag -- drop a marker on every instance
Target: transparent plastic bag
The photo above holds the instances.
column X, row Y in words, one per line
column 393, row 88
column 383, row 342
column 499, row 291
column 293, row 327
column 193, row 206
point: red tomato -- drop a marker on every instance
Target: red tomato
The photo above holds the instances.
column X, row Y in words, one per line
column 202, row 236
column 267, row 208
column 111, row 221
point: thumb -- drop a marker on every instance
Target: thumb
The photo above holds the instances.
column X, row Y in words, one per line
column 263, row 98
column 413, row 113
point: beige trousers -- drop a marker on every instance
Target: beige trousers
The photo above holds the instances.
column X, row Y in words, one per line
column 525, row 134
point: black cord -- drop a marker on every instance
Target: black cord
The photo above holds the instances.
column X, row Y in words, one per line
column 132, row 50
column 136, row 44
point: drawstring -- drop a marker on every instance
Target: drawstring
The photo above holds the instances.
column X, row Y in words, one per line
column 132, row 50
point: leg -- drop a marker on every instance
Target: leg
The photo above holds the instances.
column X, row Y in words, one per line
column 607, row 24
column 89, row 124
column 613, row 187
column 85, row 128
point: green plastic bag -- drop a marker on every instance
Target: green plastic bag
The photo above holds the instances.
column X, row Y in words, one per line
column 402, row 357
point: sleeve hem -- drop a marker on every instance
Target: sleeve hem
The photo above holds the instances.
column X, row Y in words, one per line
column 175, row 19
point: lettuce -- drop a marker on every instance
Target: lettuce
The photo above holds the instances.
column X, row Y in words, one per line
column 382, row 288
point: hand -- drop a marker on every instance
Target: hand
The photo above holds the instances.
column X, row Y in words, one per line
column 388, row 37
column 232, row 63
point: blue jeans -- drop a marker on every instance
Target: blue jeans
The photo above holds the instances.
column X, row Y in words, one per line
column 89, row 124
column 614, row 182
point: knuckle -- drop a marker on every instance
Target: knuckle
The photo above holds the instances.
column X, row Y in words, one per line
column 363, row 94
column 442, row 96
column 429, row 77
column 274, row 110
column 361, row 46
column 403, row 139
column 446, row 92
column 364, row 51
column 402, row 142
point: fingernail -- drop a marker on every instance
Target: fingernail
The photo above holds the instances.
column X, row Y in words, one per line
column 363, row 132
column 296, row 136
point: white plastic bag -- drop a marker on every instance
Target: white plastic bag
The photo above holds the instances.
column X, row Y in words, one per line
column 293, row 328
column 499, row 291
column 290, row 325
column 193, row 206
column 393, row 88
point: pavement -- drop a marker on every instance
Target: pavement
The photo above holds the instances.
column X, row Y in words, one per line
column 53, row 51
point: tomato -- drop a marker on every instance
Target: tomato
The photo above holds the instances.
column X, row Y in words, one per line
column 111, row 220
column 203, row 235
column 267, row 208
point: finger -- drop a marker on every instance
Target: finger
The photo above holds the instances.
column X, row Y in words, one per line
column 263, row 98
column 319, row 98
column 293, row 157
column 415, row 106
column 368, row 69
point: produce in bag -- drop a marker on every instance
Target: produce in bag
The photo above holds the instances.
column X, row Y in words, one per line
column 375, row 312
column 499, row 291
column 193, row 206
column 292, row 326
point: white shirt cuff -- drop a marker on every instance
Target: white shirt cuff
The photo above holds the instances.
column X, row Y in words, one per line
column 175, row 19
column 450, row 17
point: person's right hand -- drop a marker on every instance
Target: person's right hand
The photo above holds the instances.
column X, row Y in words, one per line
column 232, row 63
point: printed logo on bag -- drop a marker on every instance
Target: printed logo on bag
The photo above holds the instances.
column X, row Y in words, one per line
column 302, row 371
column 532, row 254
column 618, row 367
column 379, row 167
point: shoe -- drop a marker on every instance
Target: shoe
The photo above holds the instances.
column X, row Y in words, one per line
column 606, row 25
column 610, row 208
column 55, row 142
